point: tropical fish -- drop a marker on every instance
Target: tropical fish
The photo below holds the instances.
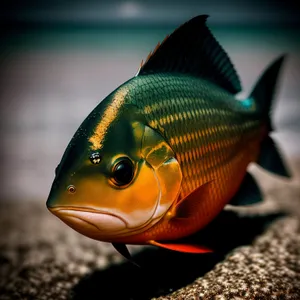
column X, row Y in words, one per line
column 160, row 157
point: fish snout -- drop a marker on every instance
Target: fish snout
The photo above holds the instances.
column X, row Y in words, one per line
column 92, row 223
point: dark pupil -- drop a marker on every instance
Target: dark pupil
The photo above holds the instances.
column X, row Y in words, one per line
column 123, row 172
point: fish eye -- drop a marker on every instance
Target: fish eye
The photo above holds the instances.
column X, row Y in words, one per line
column 123, row 172
column 71, row 189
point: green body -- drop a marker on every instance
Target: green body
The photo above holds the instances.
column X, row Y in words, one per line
column 192, row 114
column 181, row 141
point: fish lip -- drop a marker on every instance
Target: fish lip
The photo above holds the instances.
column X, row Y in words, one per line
column 91, row 210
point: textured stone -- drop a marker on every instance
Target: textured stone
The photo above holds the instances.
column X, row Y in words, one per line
column 258, row 256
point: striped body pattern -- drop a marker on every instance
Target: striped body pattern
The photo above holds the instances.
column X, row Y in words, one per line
column 159, row 158
column 214, row 135
column 205, row 126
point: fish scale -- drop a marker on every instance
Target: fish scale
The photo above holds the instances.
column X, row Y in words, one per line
column 162, row 155
column 193, row 108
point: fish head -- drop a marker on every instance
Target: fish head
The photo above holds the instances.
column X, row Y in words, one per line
column 117, row 177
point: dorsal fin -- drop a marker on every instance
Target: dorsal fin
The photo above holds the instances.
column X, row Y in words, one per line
column 192, row 49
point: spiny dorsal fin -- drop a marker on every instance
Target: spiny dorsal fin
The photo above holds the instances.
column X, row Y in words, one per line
column 192, row 49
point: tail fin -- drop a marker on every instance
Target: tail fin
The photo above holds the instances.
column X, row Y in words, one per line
column 264, row 89
column 263, row 94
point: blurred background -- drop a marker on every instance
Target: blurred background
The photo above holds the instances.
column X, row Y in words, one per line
column 59, row 59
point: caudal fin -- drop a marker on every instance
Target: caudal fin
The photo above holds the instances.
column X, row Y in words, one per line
column 263, row 94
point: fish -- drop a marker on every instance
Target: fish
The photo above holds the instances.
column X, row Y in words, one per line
column 162, row 155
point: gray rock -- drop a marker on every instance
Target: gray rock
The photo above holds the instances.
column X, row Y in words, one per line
column 259, row 257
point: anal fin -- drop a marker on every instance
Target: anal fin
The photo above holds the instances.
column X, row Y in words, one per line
column 248, row 193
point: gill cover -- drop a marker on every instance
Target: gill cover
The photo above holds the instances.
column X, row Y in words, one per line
column 154, row 188
column 157, row 176
column 99, row 204
column 161, row 158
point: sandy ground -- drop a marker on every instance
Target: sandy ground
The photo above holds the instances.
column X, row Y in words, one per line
column 258, row 256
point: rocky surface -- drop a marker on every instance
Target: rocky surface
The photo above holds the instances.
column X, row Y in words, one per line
column 258, row 256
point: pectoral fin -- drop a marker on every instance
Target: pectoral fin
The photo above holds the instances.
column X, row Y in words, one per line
column 187, row 206
column 187, row 248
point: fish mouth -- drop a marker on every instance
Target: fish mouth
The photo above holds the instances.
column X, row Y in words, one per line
column 90, row 221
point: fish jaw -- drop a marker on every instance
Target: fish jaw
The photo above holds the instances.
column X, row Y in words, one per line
column 95, row 224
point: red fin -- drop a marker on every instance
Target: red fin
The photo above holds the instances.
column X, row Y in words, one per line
column 153, row 52
column 186, row 207
column 187, row 248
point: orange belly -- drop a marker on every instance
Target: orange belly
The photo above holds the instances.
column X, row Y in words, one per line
column 226, row 180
